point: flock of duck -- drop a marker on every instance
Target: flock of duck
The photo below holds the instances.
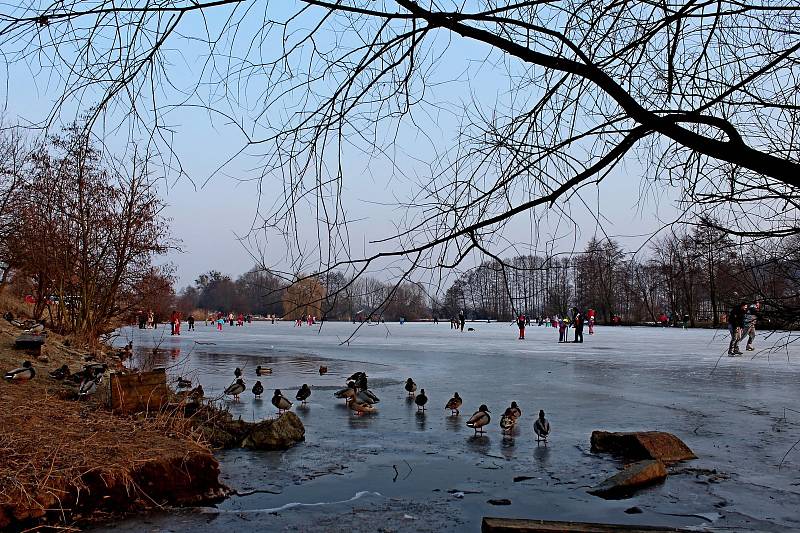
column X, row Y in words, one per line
column 88, row 379
column 356, row 395
column 361, row 400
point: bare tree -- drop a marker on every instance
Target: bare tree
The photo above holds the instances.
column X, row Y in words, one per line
column 704, row 94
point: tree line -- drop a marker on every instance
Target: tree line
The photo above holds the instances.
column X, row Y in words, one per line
column 695, row 273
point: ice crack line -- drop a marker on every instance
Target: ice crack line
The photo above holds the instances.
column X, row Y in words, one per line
column 291, row 505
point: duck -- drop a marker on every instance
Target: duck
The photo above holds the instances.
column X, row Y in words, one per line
column 197, row 393
column 411, row 387
column 367, row 396
column 263, row 371
column 235, row 389
column 421, row 400
column 60, row 373
column 304, row 393
column 515, row 410
column 38, row 329
column 347, row 393
column 361, row 382
column 237, row 372
column 23, row 373
column 479, row 419
column 258, row 389
column 323, row 370
column 361, row 408
column 508, row 421
column 89, row 386
column 95, row 368
column 541, row 427
column 279, row 401
column 355, row 377
column 183, row 383
column 454, row 404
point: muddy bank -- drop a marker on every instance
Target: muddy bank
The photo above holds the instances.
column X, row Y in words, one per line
column 67, row 463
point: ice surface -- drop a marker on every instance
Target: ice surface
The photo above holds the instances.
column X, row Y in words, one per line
column 730, row 411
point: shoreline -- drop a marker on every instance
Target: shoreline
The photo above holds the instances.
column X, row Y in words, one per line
column 72, row 463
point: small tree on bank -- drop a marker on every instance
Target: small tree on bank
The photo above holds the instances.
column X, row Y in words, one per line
column 85, row 231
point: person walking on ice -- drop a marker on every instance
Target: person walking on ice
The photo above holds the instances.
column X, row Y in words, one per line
column 736, row 327
column 750, row 319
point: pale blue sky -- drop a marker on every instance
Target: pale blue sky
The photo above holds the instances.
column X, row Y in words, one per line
column 207, row 216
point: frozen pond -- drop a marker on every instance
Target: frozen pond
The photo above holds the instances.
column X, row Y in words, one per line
column 397, row 470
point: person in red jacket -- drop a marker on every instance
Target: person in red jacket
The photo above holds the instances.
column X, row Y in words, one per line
column 521, row 326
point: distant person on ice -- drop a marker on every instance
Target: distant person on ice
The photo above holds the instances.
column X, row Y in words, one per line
column 578, row 326
column 736, row 326
column 750, row 318
column 562, row 329
column 521, row 326
column 190, row 321
column 461, row 319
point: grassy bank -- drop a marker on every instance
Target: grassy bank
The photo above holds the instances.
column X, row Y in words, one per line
column 70, row 462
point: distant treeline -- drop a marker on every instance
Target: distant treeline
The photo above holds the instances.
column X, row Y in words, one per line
column 700, row 272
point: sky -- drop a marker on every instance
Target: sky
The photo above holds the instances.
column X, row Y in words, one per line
column 209, row 210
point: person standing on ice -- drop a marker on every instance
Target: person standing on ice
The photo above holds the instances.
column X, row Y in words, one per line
column 590, row 316
column 578, row 323
column 736, row 326
column 750, row 318
column 562, row 329
column 461, row 319
column 521, row 326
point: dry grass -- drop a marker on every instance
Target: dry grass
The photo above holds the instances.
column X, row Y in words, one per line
column 50, row 447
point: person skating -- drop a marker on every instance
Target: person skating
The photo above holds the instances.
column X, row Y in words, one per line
column 461, row 319
column 578, row 322
column 562, row 329
column 750, row 319
column 521, row 326
column 190, row 321
column 736, row 326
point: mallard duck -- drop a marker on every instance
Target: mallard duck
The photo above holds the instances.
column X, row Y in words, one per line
column 367, row 396
column 421, row 400
column 279, row 401
column 361, row 408
column 454, row 404
column 60, row 373
column 361, row 382
column 237, row 373
column 411, row 387
column 258, row 389
column 323, row 370
column 38, row 329
column 541, row 427
column 515, row 410
column 347, row 393
column 197, row 393
column 263, row 371
column 89, row 386
column 304, row 393
column 235, row 389
column 95, row 368
column 355, row 377
column 182, row 383
column 23, row 373
column 507, row 421
column 479, row 419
